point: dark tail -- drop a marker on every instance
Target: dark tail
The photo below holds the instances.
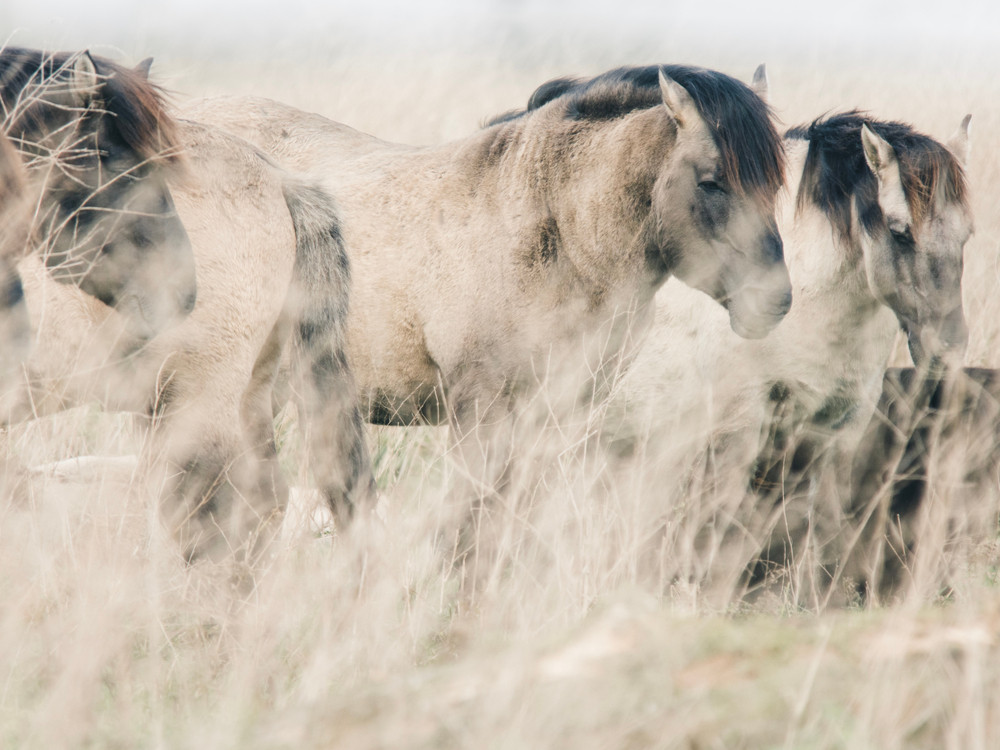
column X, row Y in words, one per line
column 318, row 303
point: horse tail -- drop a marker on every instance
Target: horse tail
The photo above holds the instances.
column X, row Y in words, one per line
column 334, row 436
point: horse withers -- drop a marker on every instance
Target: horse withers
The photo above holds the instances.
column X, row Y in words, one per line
column 530, row 251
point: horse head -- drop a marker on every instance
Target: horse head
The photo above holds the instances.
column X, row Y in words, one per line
column 913, row 234
column 101, row 145
column 714, row 199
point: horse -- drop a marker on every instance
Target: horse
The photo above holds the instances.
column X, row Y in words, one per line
column 273, row 282
column 97, row 146
column 529, row 252
column 923, row 480
column 875, row 219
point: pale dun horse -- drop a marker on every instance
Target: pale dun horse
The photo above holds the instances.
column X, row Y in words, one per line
column 85, row 147
column 875, row 219
column 531, row 250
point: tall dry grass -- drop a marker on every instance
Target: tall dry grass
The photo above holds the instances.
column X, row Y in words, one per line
column 585, row 630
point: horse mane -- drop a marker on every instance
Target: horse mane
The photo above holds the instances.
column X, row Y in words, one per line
column 741, row 123
column 835, row 171
column 137, row 106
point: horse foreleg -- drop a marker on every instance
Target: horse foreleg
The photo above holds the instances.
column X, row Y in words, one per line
column 483, row 439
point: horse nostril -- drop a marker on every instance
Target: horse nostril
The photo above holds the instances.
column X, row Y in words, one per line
column 774, row 248
column 189, row 300
column 786, row 302
column 12, row 293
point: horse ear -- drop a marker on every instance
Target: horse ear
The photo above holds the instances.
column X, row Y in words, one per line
column 759, row 84
column 958, row 144
column 676, row 99
column 878, row 152
column 144, row 67
column 86, row 82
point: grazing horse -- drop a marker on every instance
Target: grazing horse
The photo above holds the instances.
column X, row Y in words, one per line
column 534, row 246
column 875, row 221
column 98, row 146
column 273, row 280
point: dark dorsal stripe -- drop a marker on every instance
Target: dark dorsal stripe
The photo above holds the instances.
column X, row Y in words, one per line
column 836, row 175
column 137, row 106
column 739, row 120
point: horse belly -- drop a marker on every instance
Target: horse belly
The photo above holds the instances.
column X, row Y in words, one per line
column 396, row 378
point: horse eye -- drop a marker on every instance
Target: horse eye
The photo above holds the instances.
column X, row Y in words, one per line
column 140, row 239
column 902, row 236
column 711, row 186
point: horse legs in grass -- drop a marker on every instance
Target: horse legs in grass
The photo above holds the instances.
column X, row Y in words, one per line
column 483, row 436
column 229, row 494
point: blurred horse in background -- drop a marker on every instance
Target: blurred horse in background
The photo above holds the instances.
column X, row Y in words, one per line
column 98, row 147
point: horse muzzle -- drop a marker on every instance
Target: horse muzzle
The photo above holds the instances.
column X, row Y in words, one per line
column 943, row 343
column 756, row 308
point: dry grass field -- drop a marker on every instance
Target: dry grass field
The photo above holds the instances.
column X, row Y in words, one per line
column 588, row 633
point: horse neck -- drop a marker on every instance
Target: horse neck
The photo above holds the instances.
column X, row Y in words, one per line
column 834, row 307
column 594, row 180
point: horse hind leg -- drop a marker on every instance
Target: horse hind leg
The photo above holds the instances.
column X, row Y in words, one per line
column 334, row 436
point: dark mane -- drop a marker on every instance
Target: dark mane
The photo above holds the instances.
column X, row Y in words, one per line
column 136, row 105
column 740, row 121
column 836, row 173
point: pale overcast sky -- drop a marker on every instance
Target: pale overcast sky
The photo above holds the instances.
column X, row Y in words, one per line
column 129, row 24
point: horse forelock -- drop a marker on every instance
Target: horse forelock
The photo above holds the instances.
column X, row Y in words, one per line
column 137, row 107
column 741, row 123
column 835, row 173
